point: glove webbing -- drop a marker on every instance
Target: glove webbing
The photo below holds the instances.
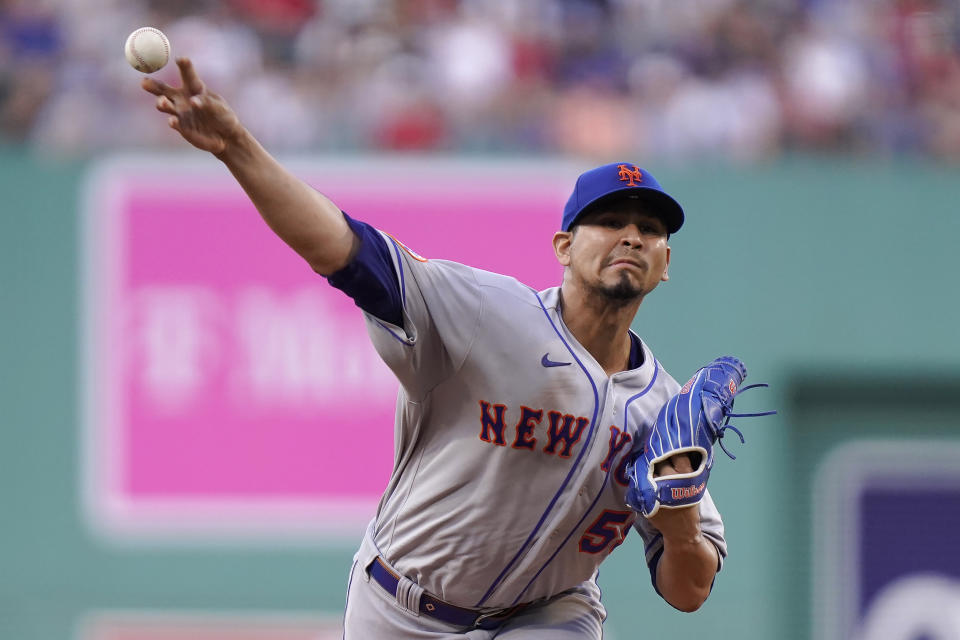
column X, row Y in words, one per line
column 726, row 423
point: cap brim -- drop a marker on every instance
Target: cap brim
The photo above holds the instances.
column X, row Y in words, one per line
column 661, row 205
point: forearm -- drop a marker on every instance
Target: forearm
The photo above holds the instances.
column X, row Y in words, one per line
column 305, row 219
column 687, row 568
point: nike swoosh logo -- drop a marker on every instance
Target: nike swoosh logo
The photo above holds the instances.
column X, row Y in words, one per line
column 547, row 362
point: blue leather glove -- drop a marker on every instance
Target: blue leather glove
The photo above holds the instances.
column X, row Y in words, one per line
column 690, row 422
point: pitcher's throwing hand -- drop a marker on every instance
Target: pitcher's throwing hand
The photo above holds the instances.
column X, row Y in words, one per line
column 202, row 117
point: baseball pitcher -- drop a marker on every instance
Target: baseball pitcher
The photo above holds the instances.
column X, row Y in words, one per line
column 533, row 429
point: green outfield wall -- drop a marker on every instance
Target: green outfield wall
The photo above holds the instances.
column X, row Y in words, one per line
column 820, row 274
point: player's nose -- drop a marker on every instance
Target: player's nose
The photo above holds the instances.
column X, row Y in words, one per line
column 630, row 235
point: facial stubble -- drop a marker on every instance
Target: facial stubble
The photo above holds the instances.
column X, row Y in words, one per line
column 621, row 293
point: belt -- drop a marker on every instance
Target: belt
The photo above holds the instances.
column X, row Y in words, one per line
column 437, row 608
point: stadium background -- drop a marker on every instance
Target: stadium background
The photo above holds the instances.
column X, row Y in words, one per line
column 813, row 144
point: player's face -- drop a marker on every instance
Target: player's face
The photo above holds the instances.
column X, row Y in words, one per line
column 619, row 252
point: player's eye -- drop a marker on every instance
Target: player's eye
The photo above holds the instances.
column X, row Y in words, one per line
column 650, row 229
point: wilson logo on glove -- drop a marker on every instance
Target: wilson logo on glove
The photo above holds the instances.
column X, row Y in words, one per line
column 690, row 422
column 687, row 492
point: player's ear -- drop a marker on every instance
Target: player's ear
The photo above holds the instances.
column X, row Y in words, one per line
column 561, row 246
column 666, row 267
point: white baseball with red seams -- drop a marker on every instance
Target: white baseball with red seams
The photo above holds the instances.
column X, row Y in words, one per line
column 147, row 49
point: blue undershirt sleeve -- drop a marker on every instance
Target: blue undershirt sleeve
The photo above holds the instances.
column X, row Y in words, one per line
column 370, row 278
column 652, row 565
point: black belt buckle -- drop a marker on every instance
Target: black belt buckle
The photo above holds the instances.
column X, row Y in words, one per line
column 495, row 617
column 478, row 623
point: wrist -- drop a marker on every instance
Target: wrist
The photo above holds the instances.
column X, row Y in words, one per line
column 678, row 525
column 238, row 146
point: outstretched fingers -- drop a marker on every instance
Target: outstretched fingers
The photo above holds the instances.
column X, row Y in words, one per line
column 201, row 117
column 165, row 105
column 191, row 81
column 158, row 88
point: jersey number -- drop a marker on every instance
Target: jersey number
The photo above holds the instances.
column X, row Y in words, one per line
column 609, row 528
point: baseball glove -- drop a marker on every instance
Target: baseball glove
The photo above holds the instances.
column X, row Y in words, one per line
column 690, row 422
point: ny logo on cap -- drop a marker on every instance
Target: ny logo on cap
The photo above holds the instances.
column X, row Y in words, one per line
column 629, row 175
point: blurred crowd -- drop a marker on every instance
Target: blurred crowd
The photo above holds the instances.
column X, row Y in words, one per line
column 738, row 80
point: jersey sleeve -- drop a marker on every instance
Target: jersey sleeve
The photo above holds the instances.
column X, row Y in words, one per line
column 370, row 278
column 440, row 304
column 711, row 525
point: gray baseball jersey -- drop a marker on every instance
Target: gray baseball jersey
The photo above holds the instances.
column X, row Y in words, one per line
column 511, row 442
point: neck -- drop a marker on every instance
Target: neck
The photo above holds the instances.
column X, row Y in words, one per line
column 600, row 325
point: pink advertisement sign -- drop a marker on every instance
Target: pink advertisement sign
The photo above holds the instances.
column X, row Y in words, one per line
column 228, row 389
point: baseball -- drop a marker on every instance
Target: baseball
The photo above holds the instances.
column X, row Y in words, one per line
column 147, row 49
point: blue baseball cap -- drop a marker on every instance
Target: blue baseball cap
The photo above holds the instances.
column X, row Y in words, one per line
column 618, row 180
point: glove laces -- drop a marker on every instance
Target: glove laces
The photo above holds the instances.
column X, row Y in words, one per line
column 726, row 423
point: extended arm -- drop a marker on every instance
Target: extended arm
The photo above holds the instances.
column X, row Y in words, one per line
column 689, row 561
column 306, row 220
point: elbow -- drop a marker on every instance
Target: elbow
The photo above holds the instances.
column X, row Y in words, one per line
column 689, row 602
column 687, row 597
column 328, row 257
column 325, row 264
column 690, row 606
column 685, row 580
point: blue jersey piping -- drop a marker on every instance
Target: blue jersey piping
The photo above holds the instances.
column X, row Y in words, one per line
column 656, row 370
column 583, row 450
column 600, row 493
column 403, row 288
column 403, row 294
column 386, row 328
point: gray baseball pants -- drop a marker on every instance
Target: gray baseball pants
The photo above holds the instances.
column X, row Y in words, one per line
column 373, row 614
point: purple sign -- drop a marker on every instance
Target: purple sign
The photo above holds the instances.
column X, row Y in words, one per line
column 887, row 561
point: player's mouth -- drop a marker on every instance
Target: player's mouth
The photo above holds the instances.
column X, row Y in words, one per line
column 625, row 262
